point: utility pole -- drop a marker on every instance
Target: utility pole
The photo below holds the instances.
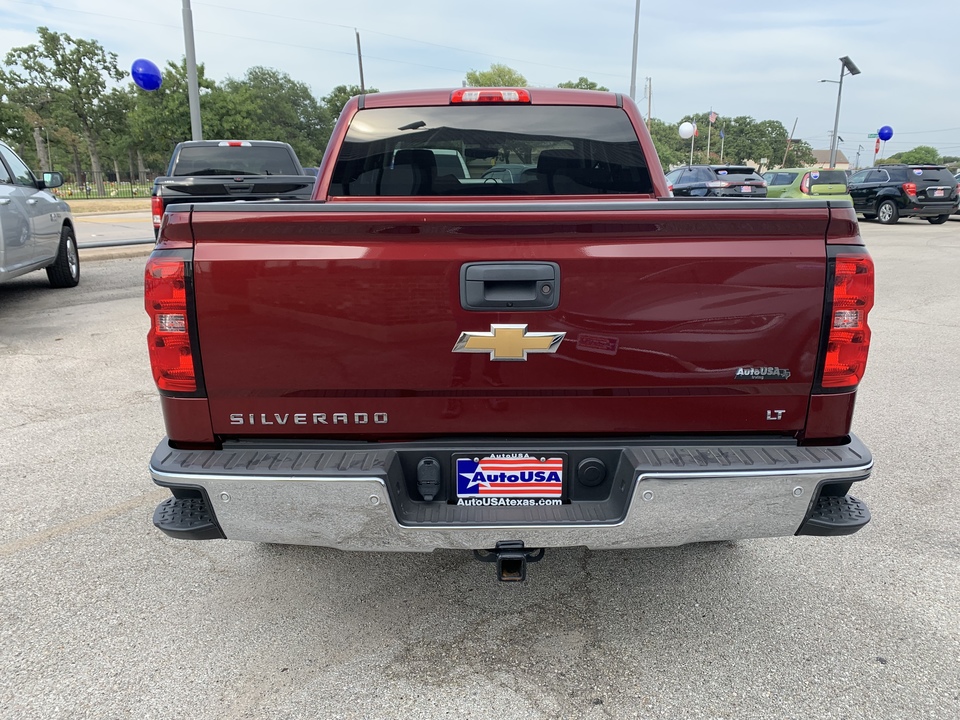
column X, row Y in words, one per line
column 709, row 132
column 193, row 87
column 636, row 41
column 789, row 143
column 360, row 62
column 649, row 98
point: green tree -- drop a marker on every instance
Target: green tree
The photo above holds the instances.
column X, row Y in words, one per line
column 799, row 155
column 583, row 84
column 670, row 146
column 70, row 71
column 26, row 111
column 267, row 104
column 118, row 142
column 497, row 76
column 160, row 118
column 745, row 140
column 14, row 125
column 334, row 102
column 920, row 155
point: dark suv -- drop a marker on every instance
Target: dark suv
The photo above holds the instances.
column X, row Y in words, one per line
column 716, row 181
column 890, row 192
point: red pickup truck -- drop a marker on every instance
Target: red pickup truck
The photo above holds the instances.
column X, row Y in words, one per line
column 542, row 349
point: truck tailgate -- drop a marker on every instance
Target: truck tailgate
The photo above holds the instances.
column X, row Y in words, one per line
column 243, row 187
column 341, row 319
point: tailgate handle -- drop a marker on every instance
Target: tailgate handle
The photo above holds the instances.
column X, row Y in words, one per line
column 510, row 286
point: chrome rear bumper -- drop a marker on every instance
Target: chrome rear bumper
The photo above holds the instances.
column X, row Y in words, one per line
column 661, row 495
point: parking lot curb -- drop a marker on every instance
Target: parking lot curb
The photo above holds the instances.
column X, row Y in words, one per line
column 114, row 253
column 100, row 213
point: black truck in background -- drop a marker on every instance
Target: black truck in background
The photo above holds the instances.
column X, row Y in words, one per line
column 225, row 170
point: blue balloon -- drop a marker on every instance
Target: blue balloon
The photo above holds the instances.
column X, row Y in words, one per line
column 146, row 75
column 885, row 133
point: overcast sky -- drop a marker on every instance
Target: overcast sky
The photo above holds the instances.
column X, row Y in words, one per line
column 762, row 59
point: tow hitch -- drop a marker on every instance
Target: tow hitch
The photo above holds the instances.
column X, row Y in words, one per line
column 511, row 558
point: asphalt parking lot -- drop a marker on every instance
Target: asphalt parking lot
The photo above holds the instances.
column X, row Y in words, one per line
column 101, row 616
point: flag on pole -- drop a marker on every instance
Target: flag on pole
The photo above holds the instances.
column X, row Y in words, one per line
column 713, row 117
column 721, row 134
column 696, row 132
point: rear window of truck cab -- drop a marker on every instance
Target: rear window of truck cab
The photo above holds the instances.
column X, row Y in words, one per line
column 234, row 160
column 490, row 150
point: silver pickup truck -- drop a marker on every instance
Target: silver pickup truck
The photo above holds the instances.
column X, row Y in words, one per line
column 36, row 227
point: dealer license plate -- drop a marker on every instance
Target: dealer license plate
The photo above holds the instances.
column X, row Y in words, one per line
column 938, row 193
column 746, row 188
column 527, row 478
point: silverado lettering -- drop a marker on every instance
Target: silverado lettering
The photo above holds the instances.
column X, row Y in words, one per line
column 536, row 226
column 360, row 418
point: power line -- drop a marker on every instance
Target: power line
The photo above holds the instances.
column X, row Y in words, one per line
column 235, row 37
column 402, row 37
column 202, row 31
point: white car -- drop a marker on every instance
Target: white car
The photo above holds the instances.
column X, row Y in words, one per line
column 36, row 227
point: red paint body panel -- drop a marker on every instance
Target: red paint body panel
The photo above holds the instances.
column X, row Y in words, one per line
column 187, row 420
column 844, row 228
column 830, row 416
column 346, row 313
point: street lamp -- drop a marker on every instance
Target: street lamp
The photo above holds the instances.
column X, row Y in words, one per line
column 847, row 67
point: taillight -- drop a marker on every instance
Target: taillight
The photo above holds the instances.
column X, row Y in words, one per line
column 849, row 338
column 156, row 207
column 233, row 143
column 910, row 189
column 717, row 184
column 805, row 184
column 484, row 95
column 165, row 298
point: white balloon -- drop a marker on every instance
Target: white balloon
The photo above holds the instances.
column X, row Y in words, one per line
column 686, row 130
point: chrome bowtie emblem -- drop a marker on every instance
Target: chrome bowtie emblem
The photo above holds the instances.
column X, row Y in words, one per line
column 508, row 342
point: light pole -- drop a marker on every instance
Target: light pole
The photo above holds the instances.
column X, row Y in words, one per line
column 193, row 87
column 847, row 67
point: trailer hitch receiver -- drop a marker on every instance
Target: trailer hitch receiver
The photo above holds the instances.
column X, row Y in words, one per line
column 511, row 558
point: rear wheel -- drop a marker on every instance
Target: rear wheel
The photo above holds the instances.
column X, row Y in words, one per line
column 938, row 220
column 887, row 212
column 65, row 271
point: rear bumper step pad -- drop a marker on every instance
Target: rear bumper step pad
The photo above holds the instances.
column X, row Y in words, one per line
column 836, row 516
column 186, row 518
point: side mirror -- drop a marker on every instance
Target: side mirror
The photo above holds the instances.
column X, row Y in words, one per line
column 51, row 180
